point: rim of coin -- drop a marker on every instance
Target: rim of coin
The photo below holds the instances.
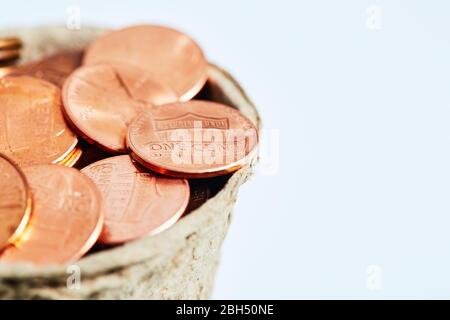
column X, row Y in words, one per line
column 152, row 141
column 102, row 119
column 10, row 43
column 72, row 158
column 169, row 55
column 66, row 221
column 15, row 231
column 140, row 204
column 36, row 132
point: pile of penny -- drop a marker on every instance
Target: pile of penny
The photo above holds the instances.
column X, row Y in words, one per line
column 9, row 50
column 109, row 144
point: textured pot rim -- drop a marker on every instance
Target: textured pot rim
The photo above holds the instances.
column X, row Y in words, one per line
column 147, row 248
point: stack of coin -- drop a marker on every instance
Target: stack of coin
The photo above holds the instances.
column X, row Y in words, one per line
column 125, row 117
column 9, row 53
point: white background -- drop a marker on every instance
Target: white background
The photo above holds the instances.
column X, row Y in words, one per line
column 360, row 205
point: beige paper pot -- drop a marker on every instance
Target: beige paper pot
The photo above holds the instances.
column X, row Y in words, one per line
column 179, row 263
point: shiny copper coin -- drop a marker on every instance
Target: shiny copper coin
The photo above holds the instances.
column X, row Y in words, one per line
column 72, row 158
column 136, row 202
column 55, row 68
column 32, row 126
column 166, row 54
column 193, row 139
column 66, row 219
column 7, row 55
column 100, row 101
column 15, row 202
column 10, row 43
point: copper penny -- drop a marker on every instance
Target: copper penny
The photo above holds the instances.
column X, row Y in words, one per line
column 66, row 219
column 136, row 202
column 10, row 43
column 193, row 139
column 54, row 68
column 166, row 54
column 15, row 202
column 32, row 126
column 101, row 100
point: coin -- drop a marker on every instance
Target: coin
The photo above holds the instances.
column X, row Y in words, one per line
column 136, row 202
column 166, row 54
column 15, row 202
column 8, row 55
column 32, row 126
column 101, row 100
column 10, row 43
column 54, row 68
column 193, row 139
column 66, row 219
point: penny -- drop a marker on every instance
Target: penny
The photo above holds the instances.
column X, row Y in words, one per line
column 10, row 54
column 166, row 54
column 66, row 219
column 15, row 202
column 101, row 100
column 193, row 139
column 32, row 126
column 72, row 158
column 10, row 43
column 54, row 68
column 136, row 203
